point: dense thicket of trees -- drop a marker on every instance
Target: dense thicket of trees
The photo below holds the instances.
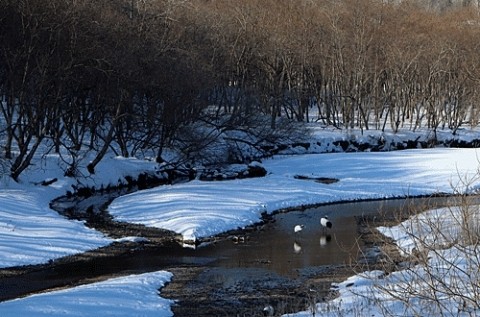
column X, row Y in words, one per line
column 141, row 74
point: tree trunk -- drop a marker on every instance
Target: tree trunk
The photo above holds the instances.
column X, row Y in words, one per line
column 23, row 161
column 106, row 142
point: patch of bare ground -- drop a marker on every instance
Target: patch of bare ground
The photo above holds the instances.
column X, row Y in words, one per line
column 198, row 293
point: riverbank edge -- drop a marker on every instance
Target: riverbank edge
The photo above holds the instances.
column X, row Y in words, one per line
column 366, row 227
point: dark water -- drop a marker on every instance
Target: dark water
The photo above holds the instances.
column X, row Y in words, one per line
column 272, row 249
column 279, row 249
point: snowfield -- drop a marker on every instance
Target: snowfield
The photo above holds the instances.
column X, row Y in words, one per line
column 135, row 295
column 446, row 286
column 32, row 233
column 198, row 209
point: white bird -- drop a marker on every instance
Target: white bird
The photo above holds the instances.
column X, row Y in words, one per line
column 298, row 228
column 326, row 223
column 268, row 310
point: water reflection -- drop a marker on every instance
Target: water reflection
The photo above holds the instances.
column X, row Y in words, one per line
column 324, row 239
column 276, row 253
column 278, row 247
column 297, row 248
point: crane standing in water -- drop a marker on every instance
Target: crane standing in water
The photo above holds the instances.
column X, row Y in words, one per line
column 326, row 224
column 298, row 228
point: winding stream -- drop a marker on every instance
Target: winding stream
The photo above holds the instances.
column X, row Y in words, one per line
column 265, row 259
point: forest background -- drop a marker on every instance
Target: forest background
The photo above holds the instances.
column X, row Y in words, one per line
column 141, row 77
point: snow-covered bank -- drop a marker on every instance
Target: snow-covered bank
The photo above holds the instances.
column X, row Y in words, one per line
column 134, row 295
column 31, row 232
column 206, row 208
column 443, row 282
column 199, row 209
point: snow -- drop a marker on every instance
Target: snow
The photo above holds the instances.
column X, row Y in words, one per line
column 32, row 233
column 134, row 295
column 445, row 285
column 434, row 228
column 199, row 209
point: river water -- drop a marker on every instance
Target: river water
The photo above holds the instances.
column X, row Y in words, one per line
column 270, row 252
column 277, row 248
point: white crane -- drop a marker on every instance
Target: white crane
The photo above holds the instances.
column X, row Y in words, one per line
column 326, row 223
column 298, row 228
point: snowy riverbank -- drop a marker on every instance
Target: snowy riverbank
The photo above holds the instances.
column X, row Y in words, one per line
column 198, row 209
column 32, row 233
